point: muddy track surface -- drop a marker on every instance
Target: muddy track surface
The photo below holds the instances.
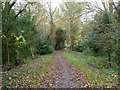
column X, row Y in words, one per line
column 64, row 74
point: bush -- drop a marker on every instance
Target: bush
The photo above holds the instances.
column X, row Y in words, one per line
column 81, row 46
column 78, row 48
column 43, row 46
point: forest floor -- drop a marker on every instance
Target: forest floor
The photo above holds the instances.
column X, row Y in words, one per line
column 64, row 75
column 49, row 71
column 54, row 71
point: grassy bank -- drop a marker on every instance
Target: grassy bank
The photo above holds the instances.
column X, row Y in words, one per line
column 97, row 77
column 32, row 74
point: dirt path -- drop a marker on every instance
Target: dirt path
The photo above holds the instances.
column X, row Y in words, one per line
column 65, row 71
column 63, row 74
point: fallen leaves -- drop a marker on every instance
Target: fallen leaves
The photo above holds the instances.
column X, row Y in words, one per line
column 45, row 73
column 28, row 75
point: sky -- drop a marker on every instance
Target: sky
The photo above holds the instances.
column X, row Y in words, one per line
column 56, row 2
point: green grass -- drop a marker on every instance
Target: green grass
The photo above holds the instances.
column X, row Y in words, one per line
column 29, row 75
column 97, row 77
column 40, row 58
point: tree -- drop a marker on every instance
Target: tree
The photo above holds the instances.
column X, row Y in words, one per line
column 103, row 36
column 118, row 51
column 52, row 25
column 10, row 19
column 72, row 12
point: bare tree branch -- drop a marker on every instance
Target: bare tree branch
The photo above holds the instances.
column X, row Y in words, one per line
column 40, row 21
column 94, row 6
column 12, row 4
column 103, row 3
column 23, row 9
column 115, row 6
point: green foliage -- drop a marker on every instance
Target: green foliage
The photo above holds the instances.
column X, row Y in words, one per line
column 43, row 46
column 19, row 36
column 101, row 38
column 60, row 39
column 79, row 47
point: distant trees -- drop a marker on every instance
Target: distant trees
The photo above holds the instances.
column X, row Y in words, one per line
column 60, row 39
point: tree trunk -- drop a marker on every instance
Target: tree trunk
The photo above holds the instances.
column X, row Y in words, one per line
column 111, row 6
column 52, row 33
column 104, row 5
column 109, row 57
column 53, row 37
column 71, row 43
column 32, row 52
column 118, row 52
column 8, row 53
column 6, row 8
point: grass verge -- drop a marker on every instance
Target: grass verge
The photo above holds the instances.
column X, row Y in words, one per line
column 97, row 77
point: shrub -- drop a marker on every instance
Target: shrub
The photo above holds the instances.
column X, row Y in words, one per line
column 43, row 46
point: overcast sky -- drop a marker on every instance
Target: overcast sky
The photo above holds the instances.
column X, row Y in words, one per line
column 56, row 2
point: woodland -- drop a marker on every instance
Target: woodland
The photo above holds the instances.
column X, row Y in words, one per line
column 75, row 44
